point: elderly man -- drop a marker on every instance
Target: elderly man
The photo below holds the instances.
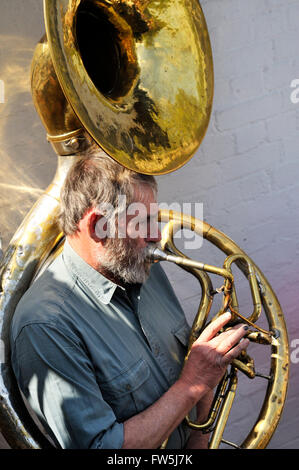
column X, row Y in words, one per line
column 99, row 340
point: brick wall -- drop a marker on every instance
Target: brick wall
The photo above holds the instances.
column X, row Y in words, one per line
column 245, row 173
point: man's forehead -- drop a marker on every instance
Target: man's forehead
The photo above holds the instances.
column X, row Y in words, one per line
column 145, row 203
column 145, row 194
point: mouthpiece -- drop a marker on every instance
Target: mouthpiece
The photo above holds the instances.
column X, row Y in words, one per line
column 155, row 254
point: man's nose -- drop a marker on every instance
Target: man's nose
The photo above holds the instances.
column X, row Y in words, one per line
column 154, row 236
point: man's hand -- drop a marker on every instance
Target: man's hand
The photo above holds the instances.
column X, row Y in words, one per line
column 208, row 359
column 211, row 353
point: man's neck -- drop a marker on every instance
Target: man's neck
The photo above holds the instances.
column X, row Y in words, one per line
column 90, row 259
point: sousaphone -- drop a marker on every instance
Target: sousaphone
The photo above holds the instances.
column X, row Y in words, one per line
column 135, row 78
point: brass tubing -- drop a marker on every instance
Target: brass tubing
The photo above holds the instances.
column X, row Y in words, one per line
column 203, row 278
column 158, row 254
column 30, row 245
column 272, row 406
column 259, row 337
column 219, row 396
column 225, row 410
column 254, row 288
column 245, row 320
column 244, row 368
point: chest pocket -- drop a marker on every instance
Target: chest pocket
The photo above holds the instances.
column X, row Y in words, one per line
column 131, row 391
column 182, row 333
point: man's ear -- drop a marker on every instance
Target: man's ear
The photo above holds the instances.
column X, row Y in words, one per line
column 97, row 227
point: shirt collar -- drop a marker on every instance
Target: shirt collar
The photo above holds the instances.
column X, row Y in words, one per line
column 100, row 286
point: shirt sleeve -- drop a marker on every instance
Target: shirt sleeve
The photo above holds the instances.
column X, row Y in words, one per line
column 56, row 376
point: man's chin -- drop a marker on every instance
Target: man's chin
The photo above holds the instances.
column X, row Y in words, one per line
column 137, row 278
column 136, row 275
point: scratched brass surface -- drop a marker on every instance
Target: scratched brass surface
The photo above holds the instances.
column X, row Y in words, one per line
column 54, row 110
column 151, row 106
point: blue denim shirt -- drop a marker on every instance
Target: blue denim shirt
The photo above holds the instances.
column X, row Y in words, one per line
column 89, row 354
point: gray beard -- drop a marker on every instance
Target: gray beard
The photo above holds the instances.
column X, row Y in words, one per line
column 124, row 262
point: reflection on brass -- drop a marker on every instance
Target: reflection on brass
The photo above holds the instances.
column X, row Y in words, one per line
column 262, row 296
column 21, row 189
column 31, row 245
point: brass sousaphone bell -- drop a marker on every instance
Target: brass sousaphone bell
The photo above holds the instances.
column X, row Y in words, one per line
column 139, row 76
column 135, row 77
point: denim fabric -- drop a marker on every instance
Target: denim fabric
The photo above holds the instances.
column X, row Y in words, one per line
column 89, row 354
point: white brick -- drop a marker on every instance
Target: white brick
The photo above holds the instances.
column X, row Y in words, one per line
column 202, row 177
column 252, row 9
column 255, row 186
column 250, row 58
column 291, row 148
column 248, row 86
column 217, row 10
column 286, row 45
column 287, row 98
column 279, row 75
column 283, row 126
column 280, row 3
column 264, row 158
column 252, row 213
column 284, row 252
column 232, row 35
column 217, row 147
column 292, row 15
column 269, row 24
column 223, row 94
column 249, row 112
column 251, row 136
column 286, row 175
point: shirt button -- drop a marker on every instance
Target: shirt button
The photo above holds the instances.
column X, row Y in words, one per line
column 128, row 387
column 156, row 350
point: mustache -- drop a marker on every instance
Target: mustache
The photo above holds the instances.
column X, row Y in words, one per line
column 125, row 261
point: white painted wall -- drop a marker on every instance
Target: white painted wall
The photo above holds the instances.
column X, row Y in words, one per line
column 245, row 173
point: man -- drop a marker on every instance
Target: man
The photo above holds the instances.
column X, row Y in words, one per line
column 99, row 340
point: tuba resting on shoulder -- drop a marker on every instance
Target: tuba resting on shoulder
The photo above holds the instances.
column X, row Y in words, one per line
column 136, row 78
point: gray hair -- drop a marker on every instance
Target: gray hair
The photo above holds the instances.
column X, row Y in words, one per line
column 95, row 179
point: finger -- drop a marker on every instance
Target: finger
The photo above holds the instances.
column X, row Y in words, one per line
column 227, row 342
column 235, row 352
column 214, row 327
